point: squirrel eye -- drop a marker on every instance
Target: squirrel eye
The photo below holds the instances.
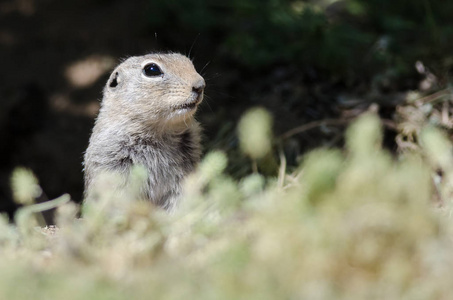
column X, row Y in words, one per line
column 152, row 70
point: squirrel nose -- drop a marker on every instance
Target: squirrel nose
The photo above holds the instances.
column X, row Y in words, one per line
column 199, row 86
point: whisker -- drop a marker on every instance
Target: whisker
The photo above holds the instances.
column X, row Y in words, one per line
column 205, row 66
column 213, row 76
column 207, row 103
column 191, row 47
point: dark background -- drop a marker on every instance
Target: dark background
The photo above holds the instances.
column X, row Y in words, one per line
column 303, row 60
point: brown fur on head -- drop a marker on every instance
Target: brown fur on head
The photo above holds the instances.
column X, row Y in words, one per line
column 157, row 90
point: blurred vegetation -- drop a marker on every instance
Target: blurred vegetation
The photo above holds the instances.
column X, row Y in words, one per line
column 358, row 37
column 319, row 60
column 353, row 224
column 303, row 61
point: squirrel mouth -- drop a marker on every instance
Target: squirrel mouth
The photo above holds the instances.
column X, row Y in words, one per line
column 189, row 105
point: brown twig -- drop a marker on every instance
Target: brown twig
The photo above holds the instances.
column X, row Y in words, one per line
column 390, row 124
column 434, row 97
column 314, row 124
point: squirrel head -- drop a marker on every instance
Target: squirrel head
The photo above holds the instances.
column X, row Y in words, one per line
column 158, row 88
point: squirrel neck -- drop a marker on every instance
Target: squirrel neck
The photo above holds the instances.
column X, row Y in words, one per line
column 131, row 126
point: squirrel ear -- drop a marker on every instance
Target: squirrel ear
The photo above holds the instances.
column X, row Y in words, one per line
column 114, row 80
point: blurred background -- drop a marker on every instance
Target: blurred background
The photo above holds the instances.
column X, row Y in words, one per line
column 319, row 63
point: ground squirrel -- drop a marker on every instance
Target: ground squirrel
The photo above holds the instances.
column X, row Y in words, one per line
column 146, row 118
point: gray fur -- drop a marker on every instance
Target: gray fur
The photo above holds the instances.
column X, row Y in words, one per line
column 143, row 121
